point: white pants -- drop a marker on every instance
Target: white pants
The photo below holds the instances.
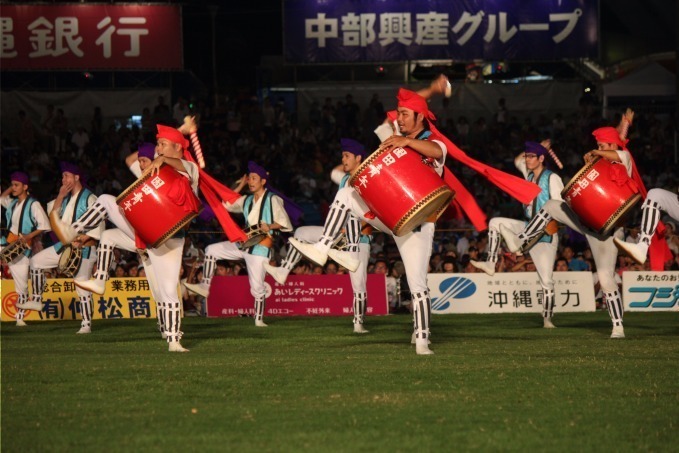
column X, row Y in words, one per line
column 254, row 264
column 604, row 251
column 543, row 254
column 49, row 259
column 312, row 234
column 116, row 238
column 19, row 270
column 667, row 201
column 415, row 247
column 166, row 262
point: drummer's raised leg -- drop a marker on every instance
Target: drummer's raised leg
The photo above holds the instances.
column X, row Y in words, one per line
column 105, row 208
column 110, row 239
column 516, row 226
column 220, row 251
column 346, row 201
column 656, row 201
column 308, row 234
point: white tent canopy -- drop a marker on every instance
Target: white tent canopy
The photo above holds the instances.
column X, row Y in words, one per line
column 651, row 80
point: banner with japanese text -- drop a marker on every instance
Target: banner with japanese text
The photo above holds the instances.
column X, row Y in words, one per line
column 128, row 298
column 302, row 295
column 508, row 292
column 333, row 31
column 90, row 37
column 650, row 291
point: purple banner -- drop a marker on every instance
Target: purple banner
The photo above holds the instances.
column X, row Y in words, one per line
column 343, row 31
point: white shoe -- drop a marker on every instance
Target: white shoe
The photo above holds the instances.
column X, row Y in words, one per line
column 92, row 285
column 37, row 306
column 344, row 259
column 199, row 288
column 413, row 337
column 513, row 242
column 637, row 252
column 280, row 274
column 486, row 266
column 163, row 335
column 618, row 332
column 84, row 330
column 175, row 346
column 261, row 324
column 21, row 323
column 358, row 328
column 64, row 231
column 548, row 324
column 422, row 347
column 309, row 251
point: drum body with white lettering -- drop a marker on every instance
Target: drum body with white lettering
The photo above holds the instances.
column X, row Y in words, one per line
column 400, row 189
column 601, row 194
column 158, row 206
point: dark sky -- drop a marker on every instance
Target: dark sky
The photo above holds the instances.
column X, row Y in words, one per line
column 244, row 32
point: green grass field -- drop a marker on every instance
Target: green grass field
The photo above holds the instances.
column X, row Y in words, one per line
column 496, row 383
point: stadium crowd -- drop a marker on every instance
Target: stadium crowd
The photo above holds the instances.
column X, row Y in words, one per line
column 235, row 130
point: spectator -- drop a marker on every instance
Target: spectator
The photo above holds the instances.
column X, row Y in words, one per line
column 80, row 139
column 448, row 266
column 574, row 264
column 561, row 264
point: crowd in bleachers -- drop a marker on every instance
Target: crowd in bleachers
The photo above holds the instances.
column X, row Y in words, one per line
column 234, row 130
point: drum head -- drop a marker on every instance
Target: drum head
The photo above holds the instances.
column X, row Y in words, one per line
column 69, row 262
column 13, row 251
column 620, row 216
column 433, row 205
column 253, row 240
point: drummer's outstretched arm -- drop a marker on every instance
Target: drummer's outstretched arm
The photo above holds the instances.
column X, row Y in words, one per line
column 240, row 184
column 131, row 159
column 6, row 193
column 425, row 147
column 437, row 86
column 606, row 154
column 173, row 162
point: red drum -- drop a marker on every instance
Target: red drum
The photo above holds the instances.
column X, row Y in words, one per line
column 160, row 205
column 601, row 194
column 401, row 190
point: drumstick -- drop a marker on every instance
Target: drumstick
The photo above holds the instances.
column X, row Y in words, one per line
column 195, row 143
column 556, row 159
column 548, row 146
column 625, row 123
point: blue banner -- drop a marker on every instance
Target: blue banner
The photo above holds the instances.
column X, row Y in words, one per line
column 344, row 31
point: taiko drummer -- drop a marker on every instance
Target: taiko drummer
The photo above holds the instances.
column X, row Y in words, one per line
column 26, row 220
column 612, row 147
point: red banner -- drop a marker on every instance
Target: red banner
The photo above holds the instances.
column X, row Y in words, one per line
column 302, row 295
column 90, row 37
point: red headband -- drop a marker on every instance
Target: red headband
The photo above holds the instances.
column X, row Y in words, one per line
column 172, row 134
column 609, row 135
column 415, row 102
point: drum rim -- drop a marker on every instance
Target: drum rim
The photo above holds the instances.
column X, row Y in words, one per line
column 132, row 187
column 443, row 191
column 378, row 152
column 21, row 245
column 261, row 236
column 578, row 175
column 65, row 270
column 181, row 224
column 619, row 213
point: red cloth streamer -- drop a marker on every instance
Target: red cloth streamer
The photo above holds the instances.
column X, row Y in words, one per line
column 518, row 188
column 214, row 193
